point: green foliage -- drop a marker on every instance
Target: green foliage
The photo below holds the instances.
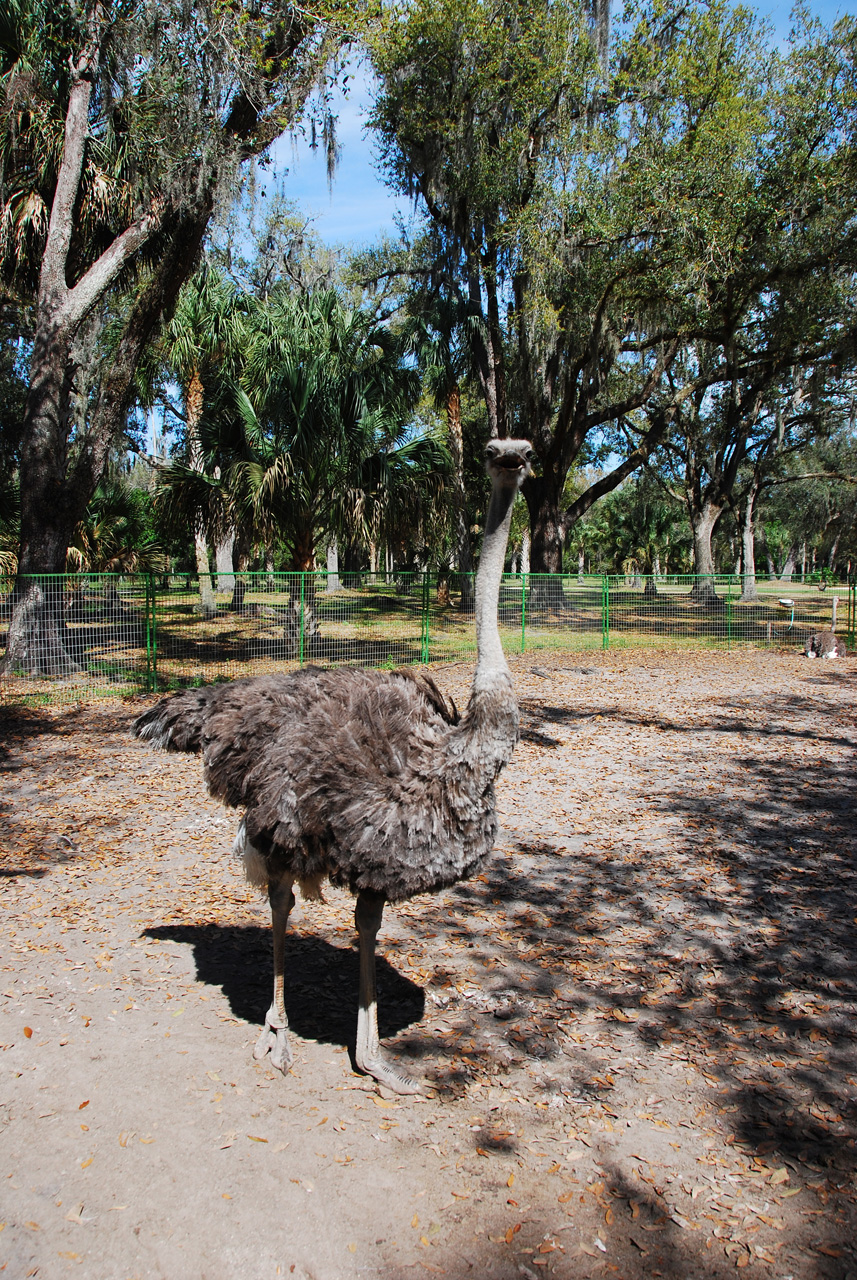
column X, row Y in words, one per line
column 308, row 434
column 117, row 534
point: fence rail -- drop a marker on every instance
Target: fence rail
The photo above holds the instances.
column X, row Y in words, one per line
column 79, row 635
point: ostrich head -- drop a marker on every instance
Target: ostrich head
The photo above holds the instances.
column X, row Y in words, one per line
column 509, row 462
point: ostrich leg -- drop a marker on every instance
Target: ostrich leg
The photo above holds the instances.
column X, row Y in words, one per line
column 367, row 917
column 274, row 1036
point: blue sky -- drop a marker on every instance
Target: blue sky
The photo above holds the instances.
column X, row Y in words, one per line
column 360, row 208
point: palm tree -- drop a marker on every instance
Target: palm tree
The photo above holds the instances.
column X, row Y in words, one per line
column 199, row 346
column 116, row 536
column 324, row 400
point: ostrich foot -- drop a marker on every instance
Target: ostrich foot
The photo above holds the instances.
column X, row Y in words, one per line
column 274, row 1039
column 386, row 1074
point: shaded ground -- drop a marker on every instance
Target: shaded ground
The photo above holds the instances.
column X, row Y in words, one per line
column 639, row 1022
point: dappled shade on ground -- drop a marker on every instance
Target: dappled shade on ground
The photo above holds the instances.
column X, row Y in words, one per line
column 638, row 1022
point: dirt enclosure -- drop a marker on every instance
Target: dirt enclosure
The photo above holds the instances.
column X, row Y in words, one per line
column 638, row 1025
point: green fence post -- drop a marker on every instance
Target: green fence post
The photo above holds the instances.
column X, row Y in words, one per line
column 147, row 589
column 424, row 629
column 605, row 612
column 301, row 641
column 523, row 612
column 729, row 614
column 852, row 611
column 154, row 636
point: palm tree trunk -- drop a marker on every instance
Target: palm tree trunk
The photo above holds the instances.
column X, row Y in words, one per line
column 193, row 406
column 223, row 552
column 462, row 531
column 332, row 566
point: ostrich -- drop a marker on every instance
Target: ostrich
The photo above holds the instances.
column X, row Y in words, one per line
column 362, row 777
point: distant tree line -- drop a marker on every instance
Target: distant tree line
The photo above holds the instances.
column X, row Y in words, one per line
column 634, row 243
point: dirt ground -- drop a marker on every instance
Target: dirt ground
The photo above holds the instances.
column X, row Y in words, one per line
column 638, row 1024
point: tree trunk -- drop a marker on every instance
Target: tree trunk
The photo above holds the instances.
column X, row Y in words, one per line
column 37, row 643
column 50, row 510
column 748, row 546
column 224, row 563
column 703, row 524
column 464, row 555
column 789, row 564
column 332, row 583
column 542, row 494
column 581, row 563
column 193, row 409
column 303, row 561
column 831, row 559
column 207, row 602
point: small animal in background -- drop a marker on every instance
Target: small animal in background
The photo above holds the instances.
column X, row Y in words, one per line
column 824, row 644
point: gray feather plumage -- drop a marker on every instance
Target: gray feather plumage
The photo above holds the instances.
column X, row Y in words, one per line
column 824, row 644
column 366, row 777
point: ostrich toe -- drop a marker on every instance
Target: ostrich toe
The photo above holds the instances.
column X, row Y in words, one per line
column 389, row 1076
column 274, row 1039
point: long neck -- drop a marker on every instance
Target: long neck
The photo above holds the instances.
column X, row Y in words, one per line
column 489, row 650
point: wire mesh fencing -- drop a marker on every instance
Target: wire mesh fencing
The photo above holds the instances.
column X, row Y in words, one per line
column 274, row 621
column 723, row 610
column 66, row 637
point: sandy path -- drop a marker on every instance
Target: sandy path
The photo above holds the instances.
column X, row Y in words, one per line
column 639, row 1023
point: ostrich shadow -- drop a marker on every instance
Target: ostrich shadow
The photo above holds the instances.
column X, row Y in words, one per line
column 321, row 987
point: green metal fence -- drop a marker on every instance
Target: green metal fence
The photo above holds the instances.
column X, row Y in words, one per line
column 83, row 635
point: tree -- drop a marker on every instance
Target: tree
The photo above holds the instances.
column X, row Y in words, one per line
column 324, row 390
column 575, row 200
column 116, row 533
column 311, row 436
column 201, row 341
column 757, row 380
column 132, row 119
column 13, row 391
column 436, row 331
